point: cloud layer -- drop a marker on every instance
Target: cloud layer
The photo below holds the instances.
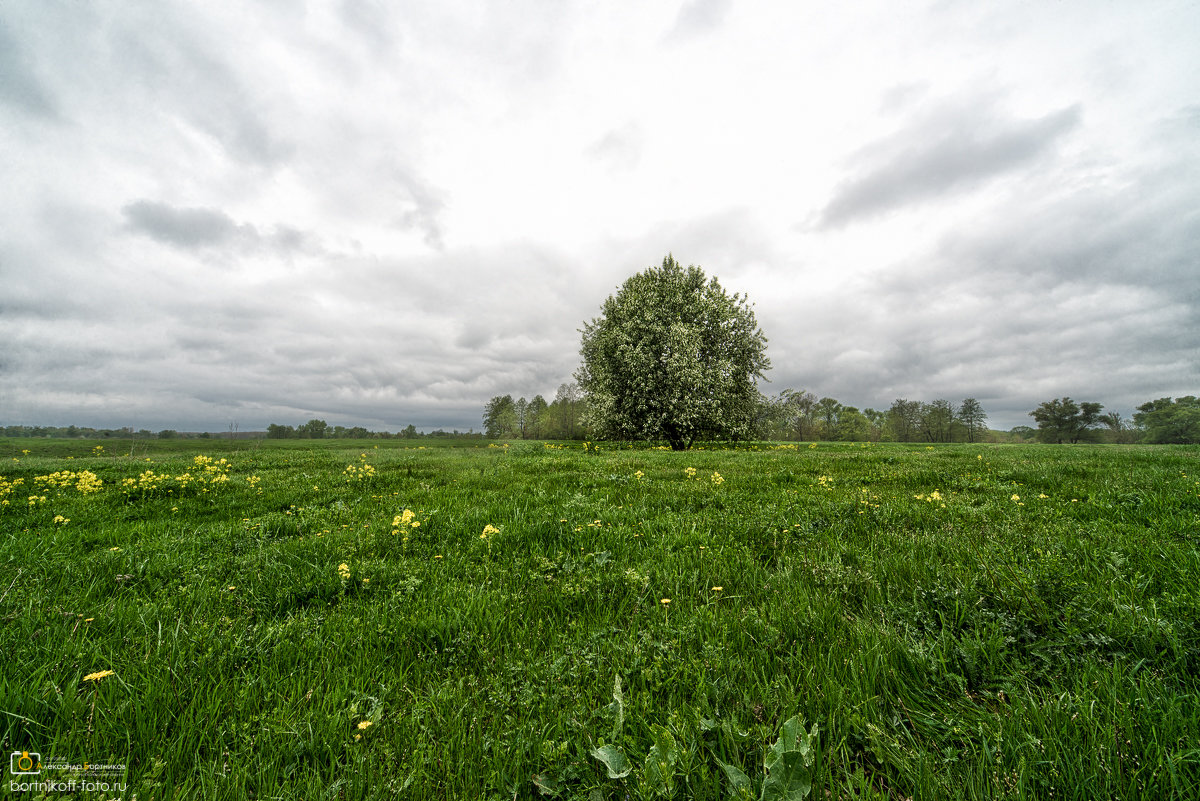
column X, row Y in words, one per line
column 382, row 217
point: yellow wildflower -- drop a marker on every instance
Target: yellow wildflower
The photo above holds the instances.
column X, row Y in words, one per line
column 364, row 724
column 97, row 676
column 488, row 531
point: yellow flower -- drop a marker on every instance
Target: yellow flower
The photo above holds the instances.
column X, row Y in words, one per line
column 638, row 475
column 61, row 519
column 717, row 589
column 665, row 601
column 364, row 724
column 97, row 676
column 488, row 531
column 690, row 472
column 716, row 478
column 343, row 570
column 1015, row 497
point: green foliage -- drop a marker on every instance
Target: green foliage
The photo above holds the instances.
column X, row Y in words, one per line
column 966, row 621
column 1064, row 420
column 672, row 357
column 1170, row 421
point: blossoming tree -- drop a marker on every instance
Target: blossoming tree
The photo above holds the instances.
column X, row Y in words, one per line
column 673, row 357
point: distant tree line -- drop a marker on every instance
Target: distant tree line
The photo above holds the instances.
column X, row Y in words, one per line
column 563, row 418
column 319, row 429
column 799, row 415
column 1164, row 421
column 84, row 432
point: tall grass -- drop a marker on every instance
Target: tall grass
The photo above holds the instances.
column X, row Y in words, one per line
column 957, row 622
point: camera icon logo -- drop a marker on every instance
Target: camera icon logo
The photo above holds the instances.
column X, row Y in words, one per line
column 24, row 762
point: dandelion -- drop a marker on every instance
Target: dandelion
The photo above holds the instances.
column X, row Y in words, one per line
column 364, row 724
column 716, row 478
column 61, row 520
column 99, row 675
column 114, row 548
column 489, row 531
column 717, row 589
column 639, row 475
column 690, row 472
column 344, row 571
column 1015, row 497
column 665, row 601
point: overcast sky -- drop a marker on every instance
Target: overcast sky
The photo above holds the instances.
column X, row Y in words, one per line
column 382, row 213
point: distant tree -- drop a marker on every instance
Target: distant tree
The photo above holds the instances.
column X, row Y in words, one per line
column 313, row 429
column 409, row 432
column 673, row 357
column 276, row 431
column 904, row 420
column 357, row 432
column 796, row 414
column 1119, row 430
column 827, row 412
column 937, row 421
column 536, row 418
column 852, row 425
column 521, row 409
column 972, row 418
column 1174, row 422
column 168, row 433
column 876, row 422
column 1064, row 420
column 1023, row 432
column 565, row 413
column 500, row 417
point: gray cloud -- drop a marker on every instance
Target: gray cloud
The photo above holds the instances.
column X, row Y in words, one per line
column 698, row 17
column 950, row 150
column 188, row 227
column 618, row 149
column 19, row 84
column 273, row 215
column 198, row 228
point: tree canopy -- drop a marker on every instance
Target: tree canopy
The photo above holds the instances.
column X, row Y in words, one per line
column 1168, row 421
column 1064, row 420
column 672, row 356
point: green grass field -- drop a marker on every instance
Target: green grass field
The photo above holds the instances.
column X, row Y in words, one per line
column 881, row 621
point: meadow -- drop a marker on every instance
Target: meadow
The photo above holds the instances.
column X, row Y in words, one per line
column 377, row 619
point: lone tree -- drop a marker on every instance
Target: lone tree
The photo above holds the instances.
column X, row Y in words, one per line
column 672, row 357
column 1064, row 420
